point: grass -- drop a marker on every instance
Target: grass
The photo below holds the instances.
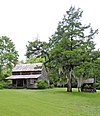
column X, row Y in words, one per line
column 49, row 102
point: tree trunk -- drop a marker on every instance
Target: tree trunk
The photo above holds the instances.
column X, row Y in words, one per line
column 79, row 89
column 79, row 80
column 69, row 82
column 69, row 86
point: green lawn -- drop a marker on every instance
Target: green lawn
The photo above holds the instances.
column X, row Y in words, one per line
column 49, row 102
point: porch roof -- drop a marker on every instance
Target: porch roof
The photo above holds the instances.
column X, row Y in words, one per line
column 89, row 80
column 24, row 77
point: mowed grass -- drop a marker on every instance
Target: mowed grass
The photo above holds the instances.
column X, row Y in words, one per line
column 49, row 102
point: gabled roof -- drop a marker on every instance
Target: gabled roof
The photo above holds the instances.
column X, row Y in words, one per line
column 28, row 67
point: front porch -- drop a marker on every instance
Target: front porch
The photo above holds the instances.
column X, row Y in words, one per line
column 19, row 83
column 23, row 83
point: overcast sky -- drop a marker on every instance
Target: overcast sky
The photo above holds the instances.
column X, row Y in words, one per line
column 24, row 20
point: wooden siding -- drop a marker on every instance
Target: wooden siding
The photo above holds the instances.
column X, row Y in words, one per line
column 26, row 75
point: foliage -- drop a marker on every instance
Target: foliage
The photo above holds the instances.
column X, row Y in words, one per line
column 87, row 86
column 53, row 78
column 70, row 51
column 97, row 69
column 97, row 85
column 72, row 44
column 87, row 69
column 35, row 60
column 38, row 49
column 8, row 56
column 42, row 84
column 1, row 85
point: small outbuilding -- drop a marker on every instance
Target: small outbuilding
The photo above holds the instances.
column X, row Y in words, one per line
column 26, row 75
column 88, row 85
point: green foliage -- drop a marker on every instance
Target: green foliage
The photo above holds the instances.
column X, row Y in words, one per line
column 70, row 51
column 72, row 45
column 1, row 86
column 53, row 78
column 42, row 84
column 87, row 86
column 35, row 60
column 37, row 49
column 8, row 56
column 97, row 69
column 97, row 85
column 4, row 83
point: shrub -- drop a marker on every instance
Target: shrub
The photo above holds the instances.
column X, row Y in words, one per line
column 1, row 85
column 86, row 86
column 42, row 84
column 8, row 84
column 97, row 85
column 52, row 86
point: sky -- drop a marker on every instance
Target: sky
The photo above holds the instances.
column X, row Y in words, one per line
column 26, row 20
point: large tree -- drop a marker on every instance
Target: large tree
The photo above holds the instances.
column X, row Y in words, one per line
column 8, row 55
column 72, row 43
column 70, row 46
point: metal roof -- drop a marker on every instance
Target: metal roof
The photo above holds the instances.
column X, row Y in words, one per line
column 28, row 67
column 24, row 76
column 89, row 80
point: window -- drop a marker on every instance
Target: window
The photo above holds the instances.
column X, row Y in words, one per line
column 36, row 72
column 26, row 73
column 31, row 81
column 15, row 73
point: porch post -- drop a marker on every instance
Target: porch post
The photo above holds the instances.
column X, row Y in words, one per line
column 16, row 83
column 12, row 83
column 27, row 83
column 23, row 82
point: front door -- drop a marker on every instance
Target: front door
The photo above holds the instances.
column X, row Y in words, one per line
column 20, row 83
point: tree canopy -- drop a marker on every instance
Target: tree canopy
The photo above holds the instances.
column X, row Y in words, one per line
column 72, row 43
column 38, row 49
column 8, row 55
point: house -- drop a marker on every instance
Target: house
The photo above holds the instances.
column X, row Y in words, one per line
column 26, row 75
column 88, row 85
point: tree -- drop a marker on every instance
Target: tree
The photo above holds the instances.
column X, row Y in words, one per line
column 87, row 67
column 38, row 49
column 72, row 43
column 96, row 71
column 69, row 47
column 35, row 60
column 83, row 71
column 8, row 55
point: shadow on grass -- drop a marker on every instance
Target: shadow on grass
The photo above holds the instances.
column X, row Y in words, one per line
column 75, row 92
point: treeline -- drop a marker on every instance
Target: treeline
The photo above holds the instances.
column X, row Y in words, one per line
column 69, row 56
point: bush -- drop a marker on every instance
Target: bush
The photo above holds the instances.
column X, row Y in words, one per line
column 52, row 86
column 97, row 85
column 42, row 84
column 8, row 86
column 1, row 86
